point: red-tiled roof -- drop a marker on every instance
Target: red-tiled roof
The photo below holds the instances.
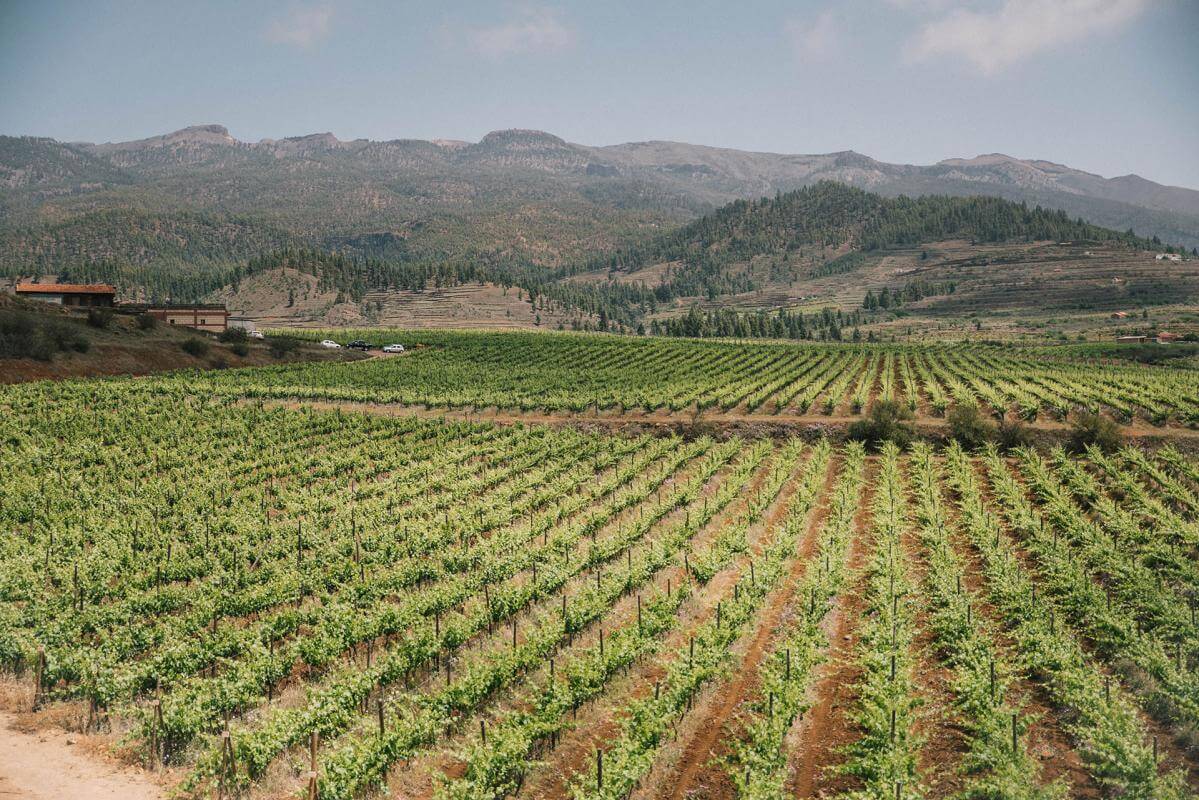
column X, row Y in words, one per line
column 66, row 288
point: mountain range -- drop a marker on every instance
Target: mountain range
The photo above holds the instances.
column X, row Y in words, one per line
column 198, row 198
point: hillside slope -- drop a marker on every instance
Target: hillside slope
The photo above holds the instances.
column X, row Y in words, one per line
column 40, row 341
column 824, row 246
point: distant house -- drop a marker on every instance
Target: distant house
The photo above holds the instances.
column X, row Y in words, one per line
column 203, row 317
column 1169, row 257
column 81, row 295
column 1165, row 337
column 1132, row 339
column 1119, row 315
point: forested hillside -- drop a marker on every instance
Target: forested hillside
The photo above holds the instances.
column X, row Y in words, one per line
column 827, row 217
column 850, row 258
column 832, row 214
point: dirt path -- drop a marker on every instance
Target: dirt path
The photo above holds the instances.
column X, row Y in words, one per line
column 814, row 742
column 781, row 424
column 695, row 769
column 53, row 765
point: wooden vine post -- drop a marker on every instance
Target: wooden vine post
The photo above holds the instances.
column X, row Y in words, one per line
column 154, row 740
column 39, row 676
column 160, row 745
column 228, row 768
column 312, row 744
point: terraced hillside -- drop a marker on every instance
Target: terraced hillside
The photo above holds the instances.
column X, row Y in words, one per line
column 1021, row 277
column 289, row 297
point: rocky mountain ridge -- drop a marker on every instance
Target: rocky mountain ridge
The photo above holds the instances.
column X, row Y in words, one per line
column 200, row 199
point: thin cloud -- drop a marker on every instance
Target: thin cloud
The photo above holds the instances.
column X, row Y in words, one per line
column 922, row 5
column 1018, row 29
column 814, row 40
column 530, row 29
column 302, row 26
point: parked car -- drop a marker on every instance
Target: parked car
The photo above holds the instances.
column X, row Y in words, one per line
column 330, row 344
column 358, row 344
column 256, row 335
column 394, row 348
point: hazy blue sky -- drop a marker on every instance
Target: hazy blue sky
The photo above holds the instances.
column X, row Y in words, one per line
column 1110, row 86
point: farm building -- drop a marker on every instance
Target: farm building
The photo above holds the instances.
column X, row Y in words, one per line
column 1131, row 339
column 1169, row 257
column 1165, row 337
column 83, row 295
column 204, row 317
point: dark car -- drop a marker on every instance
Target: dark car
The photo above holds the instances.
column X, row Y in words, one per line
column 358, row 344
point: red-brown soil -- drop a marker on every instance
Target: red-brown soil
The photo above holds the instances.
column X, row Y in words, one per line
column 696, row 775
column 814, row 745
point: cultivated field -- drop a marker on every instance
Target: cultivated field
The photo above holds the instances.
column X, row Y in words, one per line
column 266, row 599
column 565, row 372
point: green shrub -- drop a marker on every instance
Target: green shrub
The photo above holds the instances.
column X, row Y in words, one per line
column 240, row 349
column 1011, row 434
column 195, row 347
column 282, row 345
column 232, row 335
column 99, row 317
column 886, row 421
column 969, row 427
column 147, row 322
column 20, row 337
column 1089, row 428
column 24, row 334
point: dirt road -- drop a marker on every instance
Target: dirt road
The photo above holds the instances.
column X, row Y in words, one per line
column 53, row 765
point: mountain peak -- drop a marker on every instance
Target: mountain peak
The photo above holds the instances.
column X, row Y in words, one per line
column 983, row 160
column 511, row 136
column 534, row 149
column 219, row 130
column 202, row 134
column 191, row 135
column 852, row 158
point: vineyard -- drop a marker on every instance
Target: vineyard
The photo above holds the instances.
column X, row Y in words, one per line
column 576, row 373
column 267, row 601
